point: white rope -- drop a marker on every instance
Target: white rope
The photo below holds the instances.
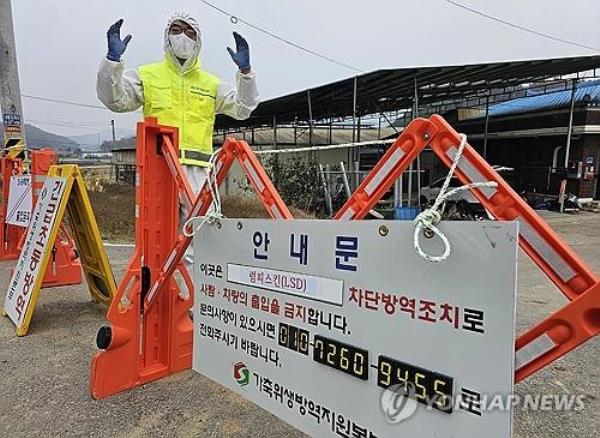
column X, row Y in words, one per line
column 213, row 214
column 324, row 148
column 429, row 218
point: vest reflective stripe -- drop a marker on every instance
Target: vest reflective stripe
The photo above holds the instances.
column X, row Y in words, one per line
column 194, row 155
column 186, row 101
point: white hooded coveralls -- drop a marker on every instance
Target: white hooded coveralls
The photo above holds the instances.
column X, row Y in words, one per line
column 121, row 91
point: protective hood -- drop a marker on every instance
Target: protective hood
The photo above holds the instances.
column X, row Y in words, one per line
column 191, row 61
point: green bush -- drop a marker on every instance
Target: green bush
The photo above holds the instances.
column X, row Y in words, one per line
column 297, row 181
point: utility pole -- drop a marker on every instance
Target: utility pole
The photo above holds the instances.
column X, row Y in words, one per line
column 10, row 93
column 563, row 184
column 114, row 136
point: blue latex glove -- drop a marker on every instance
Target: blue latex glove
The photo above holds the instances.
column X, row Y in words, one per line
column 116, row 46
column 242, row 54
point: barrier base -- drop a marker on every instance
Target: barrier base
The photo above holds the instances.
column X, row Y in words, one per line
column 65, row 266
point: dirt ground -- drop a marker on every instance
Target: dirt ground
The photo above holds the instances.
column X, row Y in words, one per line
column 44, row 376
column 114, row 209
column 118, row 224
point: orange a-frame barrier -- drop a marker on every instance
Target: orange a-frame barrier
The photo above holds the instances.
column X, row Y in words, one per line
column 150, row 331
column 565, row 329
column 65, row 266
column 10, row 235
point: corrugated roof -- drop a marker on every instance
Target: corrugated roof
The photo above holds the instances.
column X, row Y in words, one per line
column 393, row 89
column 586, row 93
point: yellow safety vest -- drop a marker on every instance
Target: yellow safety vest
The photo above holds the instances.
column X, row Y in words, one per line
column 186, row 101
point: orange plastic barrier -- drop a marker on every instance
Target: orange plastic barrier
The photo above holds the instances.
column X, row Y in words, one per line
column 10, row 235
column 150, row 331
column 41, row 160
column 65, row 266
column 566, row 328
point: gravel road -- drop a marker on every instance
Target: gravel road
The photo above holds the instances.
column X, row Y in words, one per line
column 44, row 375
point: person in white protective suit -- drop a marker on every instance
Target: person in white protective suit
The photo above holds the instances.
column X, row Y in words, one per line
column 178, row 92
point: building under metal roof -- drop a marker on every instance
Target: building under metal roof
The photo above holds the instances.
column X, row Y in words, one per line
column 388, row 90
column 587, row 93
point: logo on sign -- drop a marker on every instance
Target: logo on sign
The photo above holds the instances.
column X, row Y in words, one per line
column 398, row 403
column 241, row 373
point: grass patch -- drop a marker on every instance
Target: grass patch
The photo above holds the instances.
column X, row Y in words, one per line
column 115, row 210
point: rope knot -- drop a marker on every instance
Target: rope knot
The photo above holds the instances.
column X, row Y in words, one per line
column 427, row 218
column 214, row 213
column 427, row 221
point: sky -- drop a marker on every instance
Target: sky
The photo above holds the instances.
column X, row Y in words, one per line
column 60, row 43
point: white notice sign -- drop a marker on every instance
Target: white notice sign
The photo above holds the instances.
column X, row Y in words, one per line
column 19, row 201
column 28, row 271
column 341, row 329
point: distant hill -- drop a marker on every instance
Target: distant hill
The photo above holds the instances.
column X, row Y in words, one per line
column 93, row 142
column 38, row 138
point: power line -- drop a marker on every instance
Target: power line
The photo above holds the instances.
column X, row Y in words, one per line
column 50, row 141
column 70, row 102
column 522, row 28
column 235, row 19
column 69, row 125
column 69, row 122
column 79, row 130
column 67, row 102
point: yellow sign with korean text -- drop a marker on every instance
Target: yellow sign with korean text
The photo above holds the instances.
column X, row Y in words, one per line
column 63, row 191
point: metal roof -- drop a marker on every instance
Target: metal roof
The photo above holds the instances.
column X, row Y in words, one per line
column 392, row 89
column 587, row 93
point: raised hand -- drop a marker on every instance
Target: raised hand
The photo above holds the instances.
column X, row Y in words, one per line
column 241, row 56
column 116, row 45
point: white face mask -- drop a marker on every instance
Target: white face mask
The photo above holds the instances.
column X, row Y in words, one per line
column 182, row 45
